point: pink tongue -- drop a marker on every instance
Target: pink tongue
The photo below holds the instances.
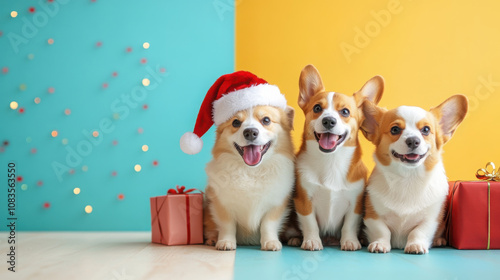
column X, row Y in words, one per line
column 411, row 156
column 252, row 154
column 328, row 141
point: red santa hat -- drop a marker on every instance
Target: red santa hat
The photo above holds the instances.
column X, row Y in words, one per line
column 230, row 94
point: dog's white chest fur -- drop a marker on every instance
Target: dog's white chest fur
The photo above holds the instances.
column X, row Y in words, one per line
column 324, row 176
column 404, row 199
column 250, row 192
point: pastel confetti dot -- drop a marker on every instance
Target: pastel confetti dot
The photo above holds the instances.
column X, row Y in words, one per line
column 2, row 149
column 31, row 9
column 13, row 14
column 50, row 1
column 14, row 105
column 105, row 85
column 162, row 70
column 85, row 168
column 76, row 190
column 145, row 45
column 95, row 133
column 5, row 70
column 33, row 150
column 31, row 56
column 5, row 143
column 1, row 33
column 22, row 87
column 37, row 100
column 24, row 187
column 21, row 110
column 116, row 116
column 71, row 171
column 19, row 178
column 143, row 60
column 155, row 163
column 145, row 82
column 98, row 44
column 39, row 183
column 88, row 209
column 115, row 142
column 54, row 133
column 28, row 139
column 114, row 173
column 121, row 196
column 46, row 205
column 140, row 130
column 51, row 90
column 67, row 112
column 114, row 74
column 64, row 141
column 145, row 106
column 129, row 49
column 137, row 168
column 145, row 148
column 50, row 41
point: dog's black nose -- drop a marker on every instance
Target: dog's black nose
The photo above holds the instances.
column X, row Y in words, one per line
column 413, row 142
column 251, row 133
column 329, row 122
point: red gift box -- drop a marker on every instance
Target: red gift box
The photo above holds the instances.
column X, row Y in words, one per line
column 177, row 218
column 474, row 215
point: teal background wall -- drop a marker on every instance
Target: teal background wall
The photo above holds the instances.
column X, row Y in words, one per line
column 191, row 45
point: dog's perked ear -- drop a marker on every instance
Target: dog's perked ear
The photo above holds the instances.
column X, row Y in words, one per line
column 290, row 115
column 310, row 83
column 371, row 90
column 373, row 114
column 450, row 114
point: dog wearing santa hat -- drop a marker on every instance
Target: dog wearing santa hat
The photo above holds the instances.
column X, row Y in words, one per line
column 251, row 175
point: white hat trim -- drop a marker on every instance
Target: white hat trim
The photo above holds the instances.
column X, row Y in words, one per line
column 229, row 104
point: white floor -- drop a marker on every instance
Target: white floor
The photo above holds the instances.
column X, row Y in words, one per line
column 110, row 256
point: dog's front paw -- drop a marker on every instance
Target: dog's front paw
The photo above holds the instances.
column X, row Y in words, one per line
column 225, row 245
column 350, row 245
column 379, row 247
column 210, row 241
column 439, row 242
column 294, row 241
column 271, row 245
column 312, row 245
column 416, row 248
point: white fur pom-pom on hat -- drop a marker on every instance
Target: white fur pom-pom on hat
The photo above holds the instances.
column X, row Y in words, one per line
column 190, row 143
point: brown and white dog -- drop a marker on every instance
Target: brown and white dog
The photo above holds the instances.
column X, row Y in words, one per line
column 406, row 192
column 250, row 179
column 330, row 174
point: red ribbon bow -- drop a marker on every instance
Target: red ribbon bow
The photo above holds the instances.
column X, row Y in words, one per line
column 180, row 190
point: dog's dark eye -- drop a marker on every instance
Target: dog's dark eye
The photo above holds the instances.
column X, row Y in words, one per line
column 345, row 112
column 266, row 121
column 317, row 108
column 236, row 123
column 425, row 130
column 395, row 130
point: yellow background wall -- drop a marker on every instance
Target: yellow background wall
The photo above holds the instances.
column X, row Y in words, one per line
column 425, row 50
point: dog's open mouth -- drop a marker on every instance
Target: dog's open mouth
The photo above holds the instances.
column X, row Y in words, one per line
column 328, row 142
column 410, row 158
column 252, row 154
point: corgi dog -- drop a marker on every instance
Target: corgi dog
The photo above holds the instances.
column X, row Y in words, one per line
column 250, row 179
column 330, row 176
column 406, row 192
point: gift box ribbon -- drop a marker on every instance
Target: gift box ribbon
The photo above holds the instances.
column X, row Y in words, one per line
column 486, row 174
